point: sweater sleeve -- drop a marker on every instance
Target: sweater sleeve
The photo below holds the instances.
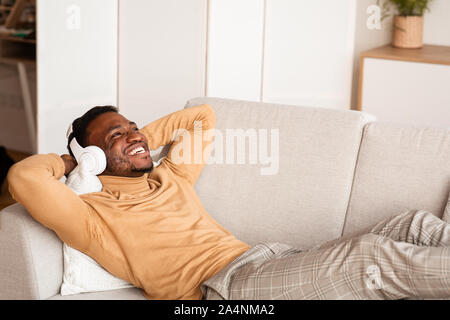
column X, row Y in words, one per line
column 34, row 183
column 191, row 132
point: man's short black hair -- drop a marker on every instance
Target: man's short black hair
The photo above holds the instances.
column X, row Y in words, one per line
column 80, row 124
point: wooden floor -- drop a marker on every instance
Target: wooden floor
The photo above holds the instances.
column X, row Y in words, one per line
column 5, row 197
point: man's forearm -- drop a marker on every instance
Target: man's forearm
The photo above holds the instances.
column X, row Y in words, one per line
column 163, row 131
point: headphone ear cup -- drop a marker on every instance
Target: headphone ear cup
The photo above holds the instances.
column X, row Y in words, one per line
column 94, row 159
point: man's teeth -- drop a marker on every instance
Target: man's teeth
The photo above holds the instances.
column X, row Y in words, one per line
column 136, row 151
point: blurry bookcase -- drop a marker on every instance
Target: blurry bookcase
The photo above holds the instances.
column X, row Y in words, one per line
column 18, row 75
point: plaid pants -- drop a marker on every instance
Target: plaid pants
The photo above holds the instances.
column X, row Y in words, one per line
column 406, row 256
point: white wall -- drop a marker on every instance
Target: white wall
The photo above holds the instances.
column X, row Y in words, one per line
column 437, row 23
column 309, row 52
column 77, row 64
column 276, row 51
column 367, row 38
column 162, row 53
column 288, row 51
column 284, row 51
column 261, row 50
column 235, row 49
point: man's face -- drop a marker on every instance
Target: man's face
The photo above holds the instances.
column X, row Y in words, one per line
column 126, row 149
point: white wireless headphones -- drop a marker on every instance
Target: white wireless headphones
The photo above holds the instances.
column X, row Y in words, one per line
column 92, row 158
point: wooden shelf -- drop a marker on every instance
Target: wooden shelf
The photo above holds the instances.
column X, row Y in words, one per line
column 17, row 39
column 6, row 8
column 427, row 54
column 14, row 60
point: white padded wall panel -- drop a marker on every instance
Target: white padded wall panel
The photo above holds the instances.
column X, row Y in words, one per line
column 77, row 64
column 235, row 39
column 162, row 50
column 309, row 52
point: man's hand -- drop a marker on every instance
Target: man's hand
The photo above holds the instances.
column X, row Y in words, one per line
column 69, row 162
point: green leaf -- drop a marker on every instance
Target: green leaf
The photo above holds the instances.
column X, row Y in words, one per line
column 411, row 7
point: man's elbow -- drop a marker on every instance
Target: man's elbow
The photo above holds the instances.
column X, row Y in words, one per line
column 17, row 179
column 210, row 115
column 13, row 173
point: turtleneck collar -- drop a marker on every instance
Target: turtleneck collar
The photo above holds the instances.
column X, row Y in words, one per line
column 127, row 184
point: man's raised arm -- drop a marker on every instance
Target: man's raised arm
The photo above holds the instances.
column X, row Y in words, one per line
column 191, row 130
column 34, row 183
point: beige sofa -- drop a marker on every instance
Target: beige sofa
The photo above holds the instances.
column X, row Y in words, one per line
column 337, row 172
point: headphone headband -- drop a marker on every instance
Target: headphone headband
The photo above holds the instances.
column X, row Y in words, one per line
column 69, row 131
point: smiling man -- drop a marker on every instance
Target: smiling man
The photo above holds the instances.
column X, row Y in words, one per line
column 148, row 226
column 125, row 147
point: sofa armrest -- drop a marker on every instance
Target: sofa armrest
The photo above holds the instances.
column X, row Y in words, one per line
column 31, row 260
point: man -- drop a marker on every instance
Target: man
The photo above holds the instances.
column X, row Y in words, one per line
column 148, row 226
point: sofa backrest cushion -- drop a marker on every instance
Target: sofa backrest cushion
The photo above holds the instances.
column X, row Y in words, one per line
column 399, row 168
column 304, row 201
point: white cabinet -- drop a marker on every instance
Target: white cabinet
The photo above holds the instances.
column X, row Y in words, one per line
column 406, row 85
column 161, row 60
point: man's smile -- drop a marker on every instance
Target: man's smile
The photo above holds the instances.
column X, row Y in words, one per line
column 136, row 149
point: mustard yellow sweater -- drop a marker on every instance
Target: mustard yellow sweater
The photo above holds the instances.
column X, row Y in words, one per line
column 151, row 231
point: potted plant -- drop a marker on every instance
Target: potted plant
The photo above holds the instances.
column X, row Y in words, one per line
column 408, row 24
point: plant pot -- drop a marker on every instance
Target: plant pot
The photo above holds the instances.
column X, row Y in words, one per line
column 408, row 32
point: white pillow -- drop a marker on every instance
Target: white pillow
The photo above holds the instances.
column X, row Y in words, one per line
column 84, row 274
